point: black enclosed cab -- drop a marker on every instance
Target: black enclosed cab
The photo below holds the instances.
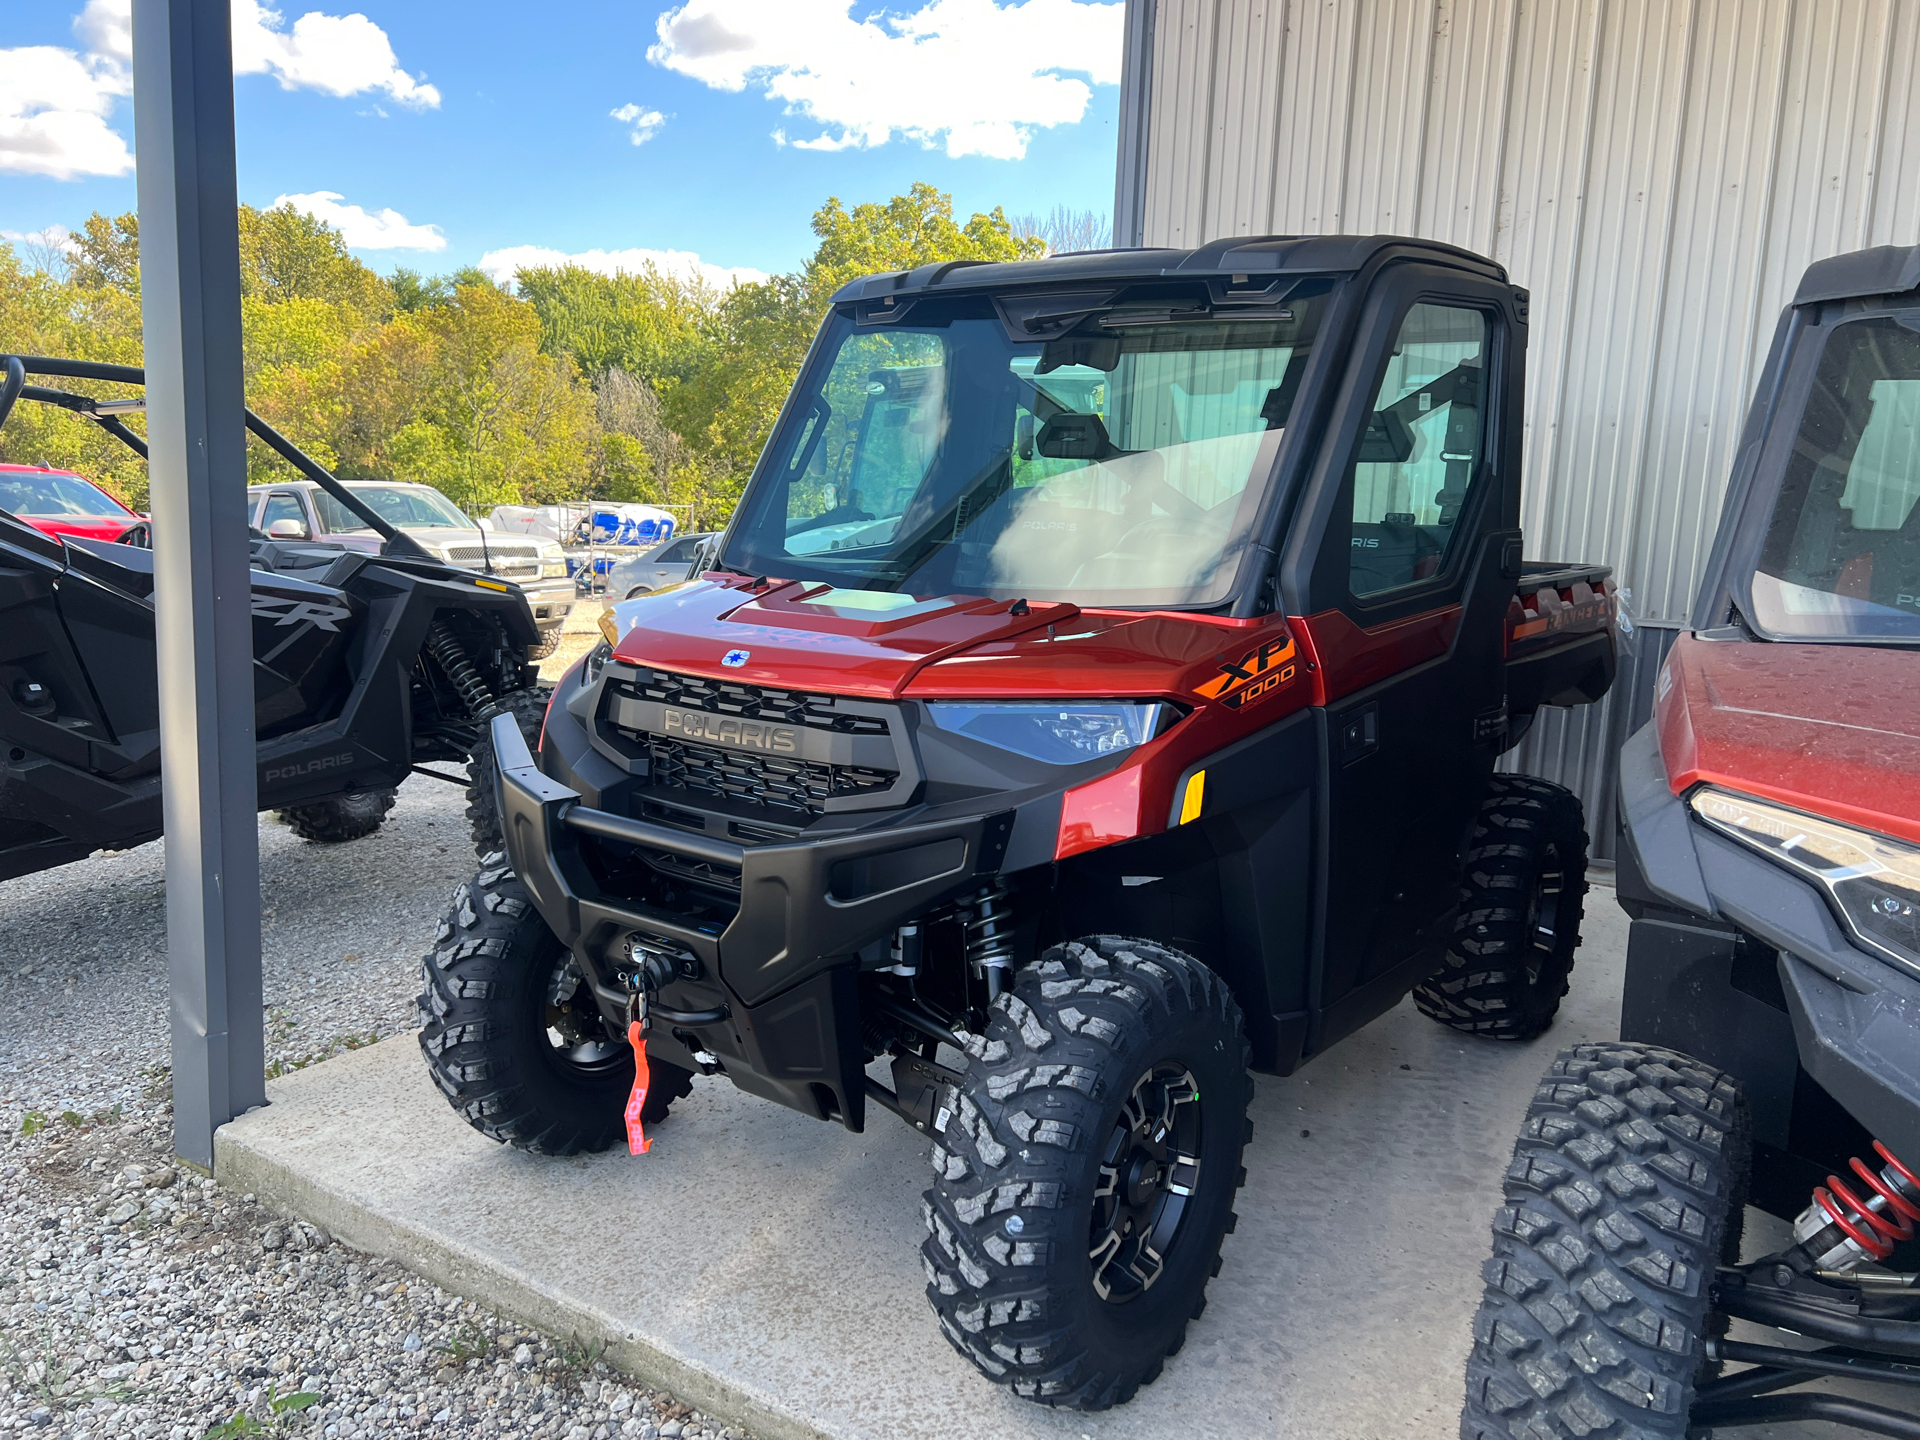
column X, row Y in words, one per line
column 1096, row 695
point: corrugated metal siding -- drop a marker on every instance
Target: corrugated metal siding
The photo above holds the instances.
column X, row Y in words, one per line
column 1657, row 172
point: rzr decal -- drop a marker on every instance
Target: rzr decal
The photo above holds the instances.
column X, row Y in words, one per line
column 293, row 612
column 1256, row 676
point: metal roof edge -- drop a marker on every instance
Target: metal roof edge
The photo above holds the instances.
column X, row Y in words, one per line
column 1229, row 255
column 1882, row 270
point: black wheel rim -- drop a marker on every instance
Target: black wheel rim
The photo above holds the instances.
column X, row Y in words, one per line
column 576, row 1036
column 1543, row 912
column 1149, row 1171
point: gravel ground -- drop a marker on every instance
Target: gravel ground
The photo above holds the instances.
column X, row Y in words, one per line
column 139, row 1299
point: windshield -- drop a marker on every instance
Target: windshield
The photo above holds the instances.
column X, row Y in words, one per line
column 50, row 492
column 400, row 506
column 1111, row 466
column 1842, row 553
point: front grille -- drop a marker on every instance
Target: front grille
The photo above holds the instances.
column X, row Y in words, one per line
column 507, row 559
column 786, row 789
column 752, row 702
column 800, row 787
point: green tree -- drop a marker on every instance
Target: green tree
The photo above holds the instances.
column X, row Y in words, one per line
column 106, row 254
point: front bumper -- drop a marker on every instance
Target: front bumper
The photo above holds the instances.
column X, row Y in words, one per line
column 550, row 600
column 1850, row 1018
column 770, row 992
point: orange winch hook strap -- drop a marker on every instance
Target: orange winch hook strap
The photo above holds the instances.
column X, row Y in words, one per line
column 637, row 1140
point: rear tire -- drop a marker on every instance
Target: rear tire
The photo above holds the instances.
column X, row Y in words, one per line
column 511, row 1035
column 1067, row 1150
column 1625, row 1192
column 343, row 818
column 1512, row 951
column 529, row 710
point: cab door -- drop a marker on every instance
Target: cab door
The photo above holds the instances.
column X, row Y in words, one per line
column 1397, row 568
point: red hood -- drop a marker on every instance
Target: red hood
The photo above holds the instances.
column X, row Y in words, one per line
column 1823, row 728
column 808, row 637
column 91, row 527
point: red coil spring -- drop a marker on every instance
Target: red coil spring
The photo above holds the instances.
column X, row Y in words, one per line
column 1874, row 1231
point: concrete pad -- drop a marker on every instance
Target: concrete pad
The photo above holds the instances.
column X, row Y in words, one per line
column 764, row 1266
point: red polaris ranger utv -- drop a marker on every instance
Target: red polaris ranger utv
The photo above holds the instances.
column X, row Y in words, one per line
column 1771, row 1023
column 1096, row 694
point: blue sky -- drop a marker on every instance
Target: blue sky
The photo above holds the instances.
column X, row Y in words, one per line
column 488, row 125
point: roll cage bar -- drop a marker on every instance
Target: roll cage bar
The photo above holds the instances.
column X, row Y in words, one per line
column 106, row 414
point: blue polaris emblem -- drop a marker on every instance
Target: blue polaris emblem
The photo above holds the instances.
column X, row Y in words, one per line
column 736, row 658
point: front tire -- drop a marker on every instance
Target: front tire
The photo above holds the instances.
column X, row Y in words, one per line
column 512, row 1035
column 1084, row 1183
column 343, row 818
column 1625, row 1192
column 529, row 710
column 1508, row 964
column 548, row 642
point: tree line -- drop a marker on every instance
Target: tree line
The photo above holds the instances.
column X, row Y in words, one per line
column 564, row 384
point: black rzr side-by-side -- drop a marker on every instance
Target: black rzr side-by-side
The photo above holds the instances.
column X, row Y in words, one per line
column 366, row 666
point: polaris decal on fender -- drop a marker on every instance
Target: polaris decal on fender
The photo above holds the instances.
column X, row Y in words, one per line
column 1256, row 676
column 311, row 767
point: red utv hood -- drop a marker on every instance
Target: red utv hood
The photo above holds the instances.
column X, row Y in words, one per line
column 1829, row 729
column 810, row 637
column 89, row 527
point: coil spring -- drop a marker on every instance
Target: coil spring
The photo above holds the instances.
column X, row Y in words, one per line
column 447, row 649
column 1874, row 1230
column 990, row 930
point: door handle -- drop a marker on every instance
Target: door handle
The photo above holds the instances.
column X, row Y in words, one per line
column 1360, row 734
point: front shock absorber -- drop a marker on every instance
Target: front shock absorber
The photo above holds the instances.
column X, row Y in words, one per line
column 1841, row 1229
column 445, row 647
column 989, row 924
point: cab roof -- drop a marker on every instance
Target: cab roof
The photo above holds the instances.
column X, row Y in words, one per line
column 1235, row 255
column 1883, row 270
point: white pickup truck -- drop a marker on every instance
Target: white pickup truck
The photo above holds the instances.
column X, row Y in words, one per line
column 301, row 510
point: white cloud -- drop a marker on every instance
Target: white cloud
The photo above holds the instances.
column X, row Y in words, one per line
column 55, row 238
column 336, row 54
column 54, row 106
column 501, row 264
column 366, row 230
column 55, row 103
column 646, row 123
column 973, row 75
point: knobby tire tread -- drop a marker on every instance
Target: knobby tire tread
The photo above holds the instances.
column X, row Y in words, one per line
column 1625, row 1192
column 529, row 709
column 1483, row 987
column 1062, row 1050
column 340, row 819
column 488, row 968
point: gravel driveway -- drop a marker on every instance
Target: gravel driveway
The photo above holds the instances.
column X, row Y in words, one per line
column 138, row 1299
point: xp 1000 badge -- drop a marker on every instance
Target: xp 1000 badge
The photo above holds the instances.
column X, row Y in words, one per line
column 1255, row 676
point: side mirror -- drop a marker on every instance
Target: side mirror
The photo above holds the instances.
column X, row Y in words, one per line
column 287, row 530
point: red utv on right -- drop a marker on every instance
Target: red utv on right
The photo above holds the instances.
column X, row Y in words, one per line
column 1770, row 1049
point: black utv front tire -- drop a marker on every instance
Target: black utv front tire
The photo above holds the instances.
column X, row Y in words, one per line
column 1067, row 1246
column 528, row 708
column 1521, row 896
column 1625, row 1192
column 344, row 817
column 511, row 1035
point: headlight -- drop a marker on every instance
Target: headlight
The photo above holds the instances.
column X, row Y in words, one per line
column 1058, row 732
column 553, row 562
column 1874, row 881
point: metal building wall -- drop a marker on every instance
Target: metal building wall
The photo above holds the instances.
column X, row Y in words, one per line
column 1656, row 172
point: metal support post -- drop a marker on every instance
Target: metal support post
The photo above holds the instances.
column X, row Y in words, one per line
column 190, row 306
column 1136, row 109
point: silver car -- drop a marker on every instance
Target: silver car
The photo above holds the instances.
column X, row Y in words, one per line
column 667, row 563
